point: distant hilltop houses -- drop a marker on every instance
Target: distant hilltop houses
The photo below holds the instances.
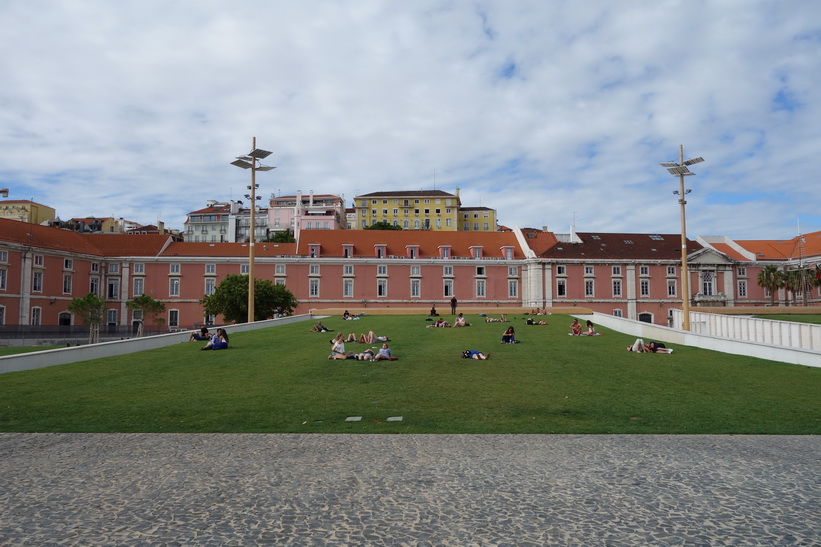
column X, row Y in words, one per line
column 333, row 262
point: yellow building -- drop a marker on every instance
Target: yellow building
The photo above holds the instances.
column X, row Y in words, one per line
column 422, row 210
column 26, row 211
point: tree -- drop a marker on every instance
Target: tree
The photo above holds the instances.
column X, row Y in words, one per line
column 230, row 299
column 91, row 309
column 281, row 236
column 149, row 308
column 771, row 279
column 382, row 225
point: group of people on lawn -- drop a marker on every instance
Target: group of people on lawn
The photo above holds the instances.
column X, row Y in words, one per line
column 218, row 340
column 338, row 348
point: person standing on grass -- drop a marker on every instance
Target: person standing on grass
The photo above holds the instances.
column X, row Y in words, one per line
column 453, row 306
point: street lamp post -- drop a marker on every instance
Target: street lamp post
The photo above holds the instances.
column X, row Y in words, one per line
column 252, row 161
column 680, row 170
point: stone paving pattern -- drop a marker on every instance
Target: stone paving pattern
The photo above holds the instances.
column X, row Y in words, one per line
column 221, row 489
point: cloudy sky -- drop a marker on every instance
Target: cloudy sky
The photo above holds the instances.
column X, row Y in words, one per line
column 547, row 111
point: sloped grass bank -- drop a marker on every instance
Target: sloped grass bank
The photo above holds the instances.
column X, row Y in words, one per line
column 279, row 380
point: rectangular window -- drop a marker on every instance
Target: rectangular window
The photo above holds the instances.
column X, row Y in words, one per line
column 671, row 270
column 480, row 288
column 707, row 283
column 174, row 287
column 95, row 267
column 617, row 288
column 36, row 316
column 742, row 288
column 3, row 279
column 210, row 286
column 174, row 318
column 244, row 269
column 512, row 271
column 617, row 313
column 512, row 288
column 589, row 288
column 671, row 287
column 480, row 270
column 644, row 287
column 447, row 271
column 415, row 288
column 210, row 269
column 68, row 264
column 36, row 282
column 139, row 286
column 616, row 270
column 111, row 317
column 347, row 288
column 313, row 287
column 561, row 270
column 644, row 270
column 416, row 270
column 4, row 256
column 280, row 269
column 139, row 268
column 114, row 268
column 314, row 269
column 175, row 268
column 381, row 269
column 381, row 287
column 113, row 291
column 38, row 260
column 742, row 271
column 561, row 287
column 347, row 269
column 67, row 284
column 588, row 270
column 448, row 287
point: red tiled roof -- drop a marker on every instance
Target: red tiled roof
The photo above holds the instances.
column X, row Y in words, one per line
column 784, row 249
column 398, row 241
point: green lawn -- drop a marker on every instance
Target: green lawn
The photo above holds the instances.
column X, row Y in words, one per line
column 279, row 380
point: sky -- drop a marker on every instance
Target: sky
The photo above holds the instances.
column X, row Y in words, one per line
column 551, row 112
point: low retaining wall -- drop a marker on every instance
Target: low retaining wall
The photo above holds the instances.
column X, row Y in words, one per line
column 751, row 329
column 63, row 356
column 649, row 331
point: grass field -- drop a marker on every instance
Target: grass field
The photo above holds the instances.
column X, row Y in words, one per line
column 279, row 380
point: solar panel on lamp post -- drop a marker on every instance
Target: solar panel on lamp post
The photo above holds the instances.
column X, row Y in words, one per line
column 681, row 170
column 252, row 161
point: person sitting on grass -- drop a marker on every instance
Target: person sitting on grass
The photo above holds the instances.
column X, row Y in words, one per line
column 460, row 321
column 591, row 329
column 218, row 341
column 338, row 349
column 653, row 347
column 509, row 337
column 474, row 354
column 385, row 354
column 199, row 335
column 575, row 328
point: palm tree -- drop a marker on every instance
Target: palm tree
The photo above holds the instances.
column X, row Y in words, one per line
column 771, row 279
column 794, row 283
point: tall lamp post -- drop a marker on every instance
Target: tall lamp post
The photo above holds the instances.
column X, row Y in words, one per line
column 680, row 170
column 252, row 161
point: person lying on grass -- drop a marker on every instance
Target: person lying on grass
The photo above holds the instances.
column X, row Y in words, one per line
column 385, row 354
column 653, row 347
column 501, row 319
column 371, row 337
column 438, row 323
column 319, row 327
column 474, row 354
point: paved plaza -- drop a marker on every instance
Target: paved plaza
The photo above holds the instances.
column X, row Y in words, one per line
column 220, row 489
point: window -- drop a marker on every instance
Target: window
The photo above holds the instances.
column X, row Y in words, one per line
column 742, row 288
column 347, row 288
column 279, row 282
column 68, row 264
column 210, row 269
column 113, row 291
column 347, row 269
column 671, row 287
column 139, row 286
column 4, row 256
column 280, row 269
column 512, row 288
column 174, row 287
column 671, row 270
column 475, row 226
column 210, row 286
column 485, row 226
column 416, row 270
column 381, row 287
column 139, row 268
column 2, row 315
column 445, row 252
column 447, row 223
column 313, row 287
column 588, row 288
column 617, row 288
column 616, row 270
column 480, row 288
column 243, row 269
column 67, row 284
column 742, row 271
column 114, row 268
column 644, row 270
column 561, row 287
column 36, row 281
column 381, row 269
column 707, row 283
column 111, row 317
column 38, row 260
column 480, row 270
column 509, row 253
column 617, row 313
column 644, row 288
column 95, row 267
column 588, row 270
column 4, row 279
column 512, row 271
column 415, row 288
column 174, row 318
column 36, row 316
column 561, row 270
column 448, row 287
column 314, row 269
column 447, row 271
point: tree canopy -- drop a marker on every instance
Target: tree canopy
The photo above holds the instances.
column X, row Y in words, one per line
column 91, row 309
column 230, row 299
column 148, row 306
column 382, row 225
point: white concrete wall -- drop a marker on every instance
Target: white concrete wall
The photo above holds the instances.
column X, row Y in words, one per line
column 765, row 350
column 750, row 329
column 62, row 356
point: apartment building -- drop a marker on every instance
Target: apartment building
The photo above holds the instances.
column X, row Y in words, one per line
column 410, row 210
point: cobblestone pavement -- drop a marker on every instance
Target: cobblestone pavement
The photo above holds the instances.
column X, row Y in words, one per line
column 141, row 489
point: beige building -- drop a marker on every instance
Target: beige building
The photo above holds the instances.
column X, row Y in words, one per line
column 422, row 210
column 26, row 211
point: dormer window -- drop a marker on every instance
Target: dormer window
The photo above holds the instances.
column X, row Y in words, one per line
column 476, row 252
column 413, row 251
column 444, row 251
column 347, row 251
column 313, row 250
column 507, row 252
column 379, row 250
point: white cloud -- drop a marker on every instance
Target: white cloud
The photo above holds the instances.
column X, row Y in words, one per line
column 538, row 109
